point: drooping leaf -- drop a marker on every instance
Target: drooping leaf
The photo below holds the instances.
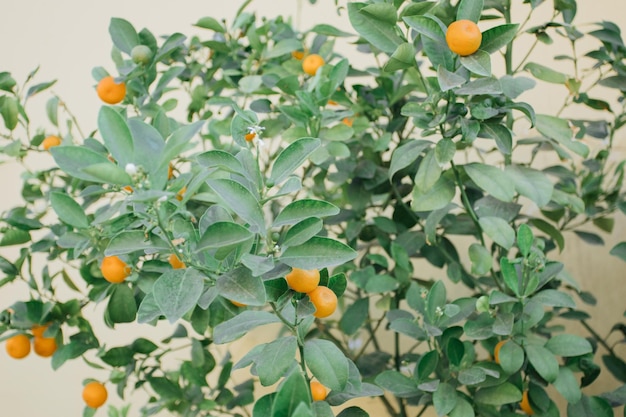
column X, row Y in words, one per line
column 177, row 291
column 241, row 201
column 241, row 324
column 327, row 363
column 317, row 253
column 491, row 179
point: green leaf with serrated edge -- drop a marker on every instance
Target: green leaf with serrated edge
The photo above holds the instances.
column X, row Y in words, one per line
column 275, row 359
column 302, row 231
column 380, row 33
column 291, row 395
column 222, row 235
column 68, row 210
column 470, row 10
column 543, row 73
column 327, row 363
column 492, row 180
column 398, row 384
column 505, row 393
column 478, row 63
column 619, row 250
column 302, row 209
column 568, row 345
column 448, row 80
column 107, row 173
column 525, row 239
column 123, row 34
column 74, row 159
column 511, row 357
column 481, row 259
column 498, row 230
column 208, row 22
column 177, row 291
column 543, row 361
column 555, row 298
column 567, row 385
column 317, row 253
column 240, row 285
column 241, row 324
column 292, row 157
column 428, row 172
column 122, row 307
column 531, row 183
column 241, row 201
column 497, row 37
column 438, row 196
column 134, row 240
column 444, row 399
column 402, row 58
column 406, row 154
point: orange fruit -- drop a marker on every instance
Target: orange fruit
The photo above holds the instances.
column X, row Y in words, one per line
column 250, row 136
column 324, row 300
column 50, row 142
column 347, row 121
column 38, row 330
column 303, row 280
column 318, row 391
column 525, row 404
column 175, row 261
column 44, row 346
column 18, row 346
column 463, row 37
column 94, row 394
column 297, row 55
column 114, row 269
column 111, row 92
column 496, row 351
column 311, row 64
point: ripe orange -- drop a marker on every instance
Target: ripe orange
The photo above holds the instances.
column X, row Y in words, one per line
column 525, row 404
column 302, row 280
column 318, row 391
column 38, row 330
column 175, row 261
column 297, row 55
column 111, row 92
column 324, row 300
column 94, row 394
column 114, row 269
column 50, row 142
column 18, row 346
column 311, row 64
column 250, row 136
column 44, row 346
column 496, row 351
column 463, row 37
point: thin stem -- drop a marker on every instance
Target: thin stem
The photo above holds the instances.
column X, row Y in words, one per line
column 598, row 337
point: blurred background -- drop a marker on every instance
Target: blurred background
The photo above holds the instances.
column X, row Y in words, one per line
column 67, row 38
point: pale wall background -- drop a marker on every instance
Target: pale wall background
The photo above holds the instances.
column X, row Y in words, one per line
column 67, row 38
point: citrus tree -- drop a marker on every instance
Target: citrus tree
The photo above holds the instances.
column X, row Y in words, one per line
column 253, row 177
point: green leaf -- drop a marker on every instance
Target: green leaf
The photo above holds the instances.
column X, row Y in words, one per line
column 303, row 209
column 302, row 231
column 541, row 72
column 514, row 87
column 134, row 240
column 509, row 275
column 406, row 154
column 511, row 357
column 123, row 34
column 559, row 130
column 222, row 160
column 448, row 80
column 487, row 85
column 147, row 142
column 435, row 301
column 242, row 286
column 208, row 22
column 68, row 210
column 479, row 63
column 108, row 173
column 275, row 359
column 463, row 409
column 241, row 324
column 14, row 237
column 554, row 298
column 505, row 393
column 291, row 395
column 428, row 27
column 318, row 253
column 550, row 230
column 619, row 250
column 428, row 172
column 327, row 363
column 444, row 399
column 223, row 235
column 52, row 110
column 122, row 307
column 501, row 134
column 531, row 183
column 241, row 201
column 374, row 27
column 7, row 82
column 492, row 180
column 470, row 10
column 525, row 239
column 328, row 30
column 177, row 291
column 567, row 385
column 38, row 88
column 568, row 345
column 571, row 201
column 9, row 108
column 543, row 361
column 497, row 37
column 354, row 316
column 481, row 259
column 75, row 159
column 282, row 47
column 590, row 407
column 498, row 230
column 402, row 58
column 398, row 384
column 617, row 81
column 438, row 196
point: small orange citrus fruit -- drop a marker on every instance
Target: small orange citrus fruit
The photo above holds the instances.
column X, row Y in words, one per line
column 324, row 300
column 50, row 142
column 18, row 346
column 44, row 346
column 496, row 351
column 175, row 261
column 297, row 55
column 250, row 136
column 38, row 330
column 114, row 269
column 111, row 92
column 525, row 404
column 94, row 394
column 463, row 37
column 302, row 280
column 312, row 63
column 318, row 391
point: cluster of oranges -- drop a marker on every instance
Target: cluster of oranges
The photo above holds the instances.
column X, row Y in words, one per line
column 307, row 282
column 18, row 346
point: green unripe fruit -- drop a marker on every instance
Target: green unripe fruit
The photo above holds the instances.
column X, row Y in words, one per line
column 141, row 54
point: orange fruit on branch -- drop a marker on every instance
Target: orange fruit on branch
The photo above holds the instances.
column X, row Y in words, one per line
column 250, row 136
column 111, row 92
column 496, row 351
column 524, row 405
column 324, row 300
column 312, row 63
column 114, row 269
column 463, row 37
column 318, row 391
column 44, row 346
column 175, row 261
column 94, row 394
column 18, row 346
column 51, row 141
column 303, row 280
